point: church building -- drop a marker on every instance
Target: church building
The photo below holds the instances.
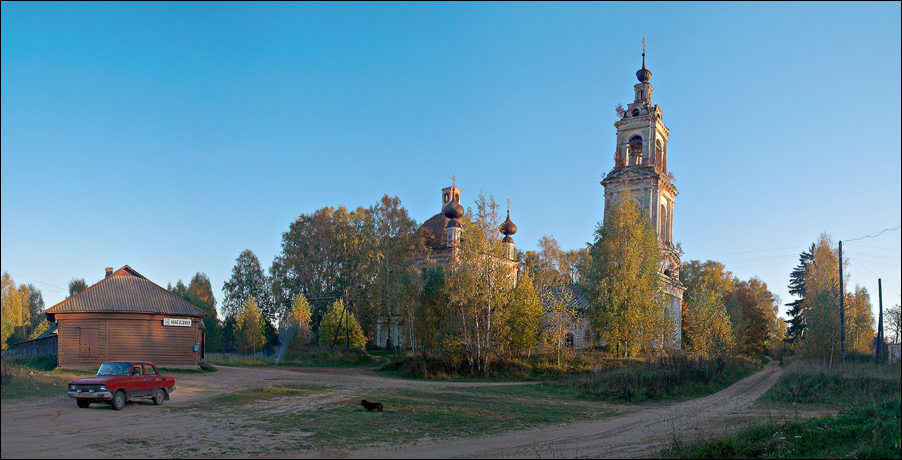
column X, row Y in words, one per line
column 640, row 172
column 441, row 235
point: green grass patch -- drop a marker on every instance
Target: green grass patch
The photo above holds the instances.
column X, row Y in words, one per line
column 411, row 416
column 666, row 378
column 260, row 394
column 871, row 431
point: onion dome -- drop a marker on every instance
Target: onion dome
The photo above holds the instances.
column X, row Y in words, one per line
column 643, row 74
column 453, row 210
column 507, row 227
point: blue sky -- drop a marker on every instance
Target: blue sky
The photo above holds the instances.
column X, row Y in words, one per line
column 172, row 136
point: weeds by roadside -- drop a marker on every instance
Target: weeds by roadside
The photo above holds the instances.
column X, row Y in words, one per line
column 669, row 377
column 26, row 379
column 867, row 426
column 806, row 382
column 872, row 431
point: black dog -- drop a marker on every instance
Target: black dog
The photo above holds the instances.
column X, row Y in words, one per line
column 371, row 405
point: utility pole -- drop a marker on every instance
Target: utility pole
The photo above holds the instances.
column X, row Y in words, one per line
column 347, row 328
column 842, row 313
column 340, row 319
column 880, row 356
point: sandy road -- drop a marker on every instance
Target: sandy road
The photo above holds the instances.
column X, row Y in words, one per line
column 55, row 428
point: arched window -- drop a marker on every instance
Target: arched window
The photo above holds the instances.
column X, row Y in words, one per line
column 635, row 150
column 635, row 112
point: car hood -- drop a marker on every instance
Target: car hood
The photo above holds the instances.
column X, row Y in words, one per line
column 98, row 380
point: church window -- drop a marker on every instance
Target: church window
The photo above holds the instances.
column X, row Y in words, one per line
column 635, row 150
column 635, row 112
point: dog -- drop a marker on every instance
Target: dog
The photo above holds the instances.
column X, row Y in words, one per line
column 371, row 405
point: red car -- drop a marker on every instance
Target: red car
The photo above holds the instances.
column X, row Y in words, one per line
column 118, row 382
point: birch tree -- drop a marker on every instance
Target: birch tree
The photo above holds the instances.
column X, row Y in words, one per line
column 478, row 283
column 250, row 327
column 298, row 326
column 709, row 330
column 627, row 304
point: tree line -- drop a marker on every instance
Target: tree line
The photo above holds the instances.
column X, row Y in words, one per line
column 340, row 271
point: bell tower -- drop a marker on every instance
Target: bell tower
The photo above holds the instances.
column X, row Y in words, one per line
column 640, row 172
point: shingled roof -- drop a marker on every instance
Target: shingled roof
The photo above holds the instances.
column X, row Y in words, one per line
column 126, row 290
column 573, row 295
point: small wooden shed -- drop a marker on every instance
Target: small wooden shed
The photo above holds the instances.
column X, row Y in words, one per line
column 125, row 316
column 41, row 345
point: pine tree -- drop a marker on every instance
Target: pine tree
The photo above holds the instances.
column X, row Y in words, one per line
column 797, row 288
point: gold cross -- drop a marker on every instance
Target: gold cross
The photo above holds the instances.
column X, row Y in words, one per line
column 508, row 205
column 643, row 45
column 453, row 181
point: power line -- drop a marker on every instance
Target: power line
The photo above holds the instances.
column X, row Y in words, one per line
column 875, row 247
column 37, row 281
column 874, row 236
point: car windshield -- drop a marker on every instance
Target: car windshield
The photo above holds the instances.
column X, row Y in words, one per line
column 114, row 369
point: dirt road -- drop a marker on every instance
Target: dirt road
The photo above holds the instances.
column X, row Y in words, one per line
column 56, row 429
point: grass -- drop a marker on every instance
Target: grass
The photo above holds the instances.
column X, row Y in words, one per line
column 666, row 378
column 408, row 416
column 869, row 401
column 250, row 396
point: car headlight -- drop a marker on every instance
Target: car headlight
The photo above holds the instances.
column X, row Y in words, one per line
column 102, row 387
column 71, row 387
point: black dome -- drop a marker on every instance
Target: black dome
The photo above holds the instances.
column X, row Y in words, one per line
column 453, row 210
column 643, row 74
column 507, row 227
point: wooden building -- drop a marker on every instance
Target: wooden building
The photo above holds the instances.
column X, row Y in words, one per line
column 126, row 316
column 44, row 344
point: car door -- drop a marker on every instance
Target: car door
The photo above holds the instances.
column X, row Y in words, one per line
column 152, row 378
column 138, row 381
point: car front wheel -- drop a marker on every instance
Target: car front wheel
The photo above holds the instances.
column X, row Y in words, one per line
column 158, row 397
column 118, row 401
column 82, row 403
